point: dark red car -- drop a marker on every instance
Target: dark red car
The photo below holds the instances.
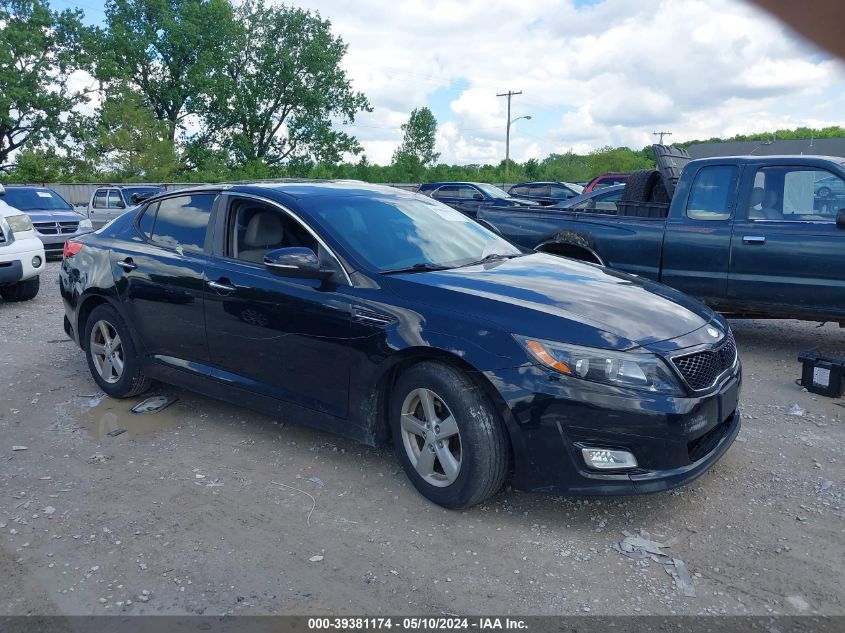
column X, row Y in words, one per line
column 606, row 180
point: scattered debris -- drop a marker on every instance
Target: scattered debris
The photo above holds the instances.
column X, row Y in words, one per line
column 313, row 500
column 154, row 404
column 116, row 432
column 825, row 485
column 49, row 510
column 640, row 547
column 797, row 410
column 316, row 559
column 98, row 458
column 20, row 448
column 317, row 480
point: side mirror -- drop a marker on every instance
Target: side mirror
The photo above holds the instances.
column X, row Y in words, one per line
column 478, row 197
column 840, row 219
column 296, row 261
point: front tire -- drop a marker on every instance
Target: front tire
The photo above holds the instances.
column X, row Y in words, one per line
column 450, row 439
column 21, row 291
column 112, row 358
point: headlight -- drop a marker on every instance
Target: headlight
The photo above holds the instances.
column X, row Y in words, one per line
column 637, row 370
column 19, row 223
column 85, row 224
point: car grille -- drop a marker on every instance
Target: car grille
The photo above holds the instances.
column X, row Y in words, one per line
column 2, row 237
column 56, row 228
column 701, row 370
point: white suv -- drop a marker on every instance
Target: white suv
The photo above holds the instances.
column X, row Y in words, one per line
column 22, row 256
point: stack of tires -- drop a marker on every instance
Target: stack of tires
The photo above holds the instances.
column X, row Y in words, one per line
column 645, row 195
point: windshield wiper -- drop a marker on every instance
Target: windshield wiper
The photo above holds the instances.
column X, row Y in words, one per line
column 493, row 257
column 421, row 267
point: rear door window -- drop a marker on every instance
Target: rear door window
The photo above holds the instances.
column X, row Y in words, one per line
column 181, row 222
column 448, row 191
column 114, row 199
column 712, row 193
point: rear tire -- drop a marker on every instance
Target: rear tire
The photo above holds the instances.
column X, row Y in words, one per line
column 21, row 291
column 450, row 439
column 640, row 185
column 112, row 358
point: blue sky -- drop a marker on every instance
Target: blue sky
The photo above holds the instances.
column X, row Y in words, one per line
column 592, row 72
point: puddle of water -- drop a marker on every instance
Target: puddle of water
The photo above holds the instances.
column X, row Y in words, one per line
column 108, row 414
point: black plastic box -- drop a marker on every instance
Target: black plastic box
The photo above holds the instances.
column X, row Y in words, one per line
column 822, row 375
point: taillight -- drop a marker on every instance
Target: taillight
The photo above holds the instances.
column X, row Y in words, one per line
column 72, row 248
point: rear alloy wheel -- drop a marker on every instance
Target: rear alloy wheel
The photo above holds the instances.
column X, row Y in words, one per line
column 111, row 355
column 823, row 192
column 448, row 435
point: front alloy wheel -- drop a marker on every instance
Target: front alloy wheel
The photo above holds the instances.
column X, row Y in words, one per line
column 431, row 438
column 450, row 439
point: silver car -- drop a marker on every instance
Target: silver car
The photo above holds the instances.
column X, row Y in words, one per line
column 53, row 217
column 111, row 201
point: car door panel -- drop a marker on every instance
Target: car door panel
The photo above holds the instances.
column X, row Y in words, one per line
column 787, row 254
column 159, row 275
column 282, row 337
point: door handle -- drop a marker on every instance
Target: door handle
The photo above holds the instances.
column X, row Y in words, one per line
column 127, row 264
column 753, row 239
column 221, row 285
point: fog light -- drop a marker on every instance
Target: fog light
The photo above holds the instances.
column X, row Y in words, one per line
column 605, row 459
column 36, row 261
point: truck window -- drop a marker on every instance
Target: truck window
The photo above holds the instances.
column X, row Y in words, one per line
column 710, row 195
column 796, row 194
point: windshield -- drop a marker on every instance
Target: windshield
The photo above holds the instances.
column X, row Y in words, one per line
column 392, row 233
column 493, row 191
column 35, row 199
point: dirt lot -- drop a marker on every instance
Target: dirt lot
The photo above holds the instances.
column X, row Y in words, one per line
column 186, row 506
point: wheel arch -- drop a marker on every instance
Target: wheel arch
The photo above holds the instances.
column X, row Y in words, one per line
column 572, row 249
column 87, row 305
column 407, row 358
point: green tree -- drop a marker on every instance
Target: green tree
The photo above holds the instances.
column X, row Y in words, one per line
column 416, row 152
column 39, row 49
column 279, row 89
column 164, row 49
column 131, row 142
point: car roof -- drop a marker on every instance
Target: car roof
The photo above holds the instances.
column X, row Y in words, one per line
column 298, row 189
column 795, row 159
column 453, row 182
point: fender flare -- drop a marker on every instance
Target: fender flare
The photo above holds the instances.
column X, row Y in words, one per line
column 572, row 242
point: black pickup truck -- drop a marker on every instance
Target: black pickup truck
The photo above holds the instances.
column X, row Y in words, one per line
column 752, row 236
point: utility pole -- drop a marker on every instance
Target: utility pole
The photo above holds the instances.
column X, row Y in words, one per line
column 508, row 94
column 661, row 135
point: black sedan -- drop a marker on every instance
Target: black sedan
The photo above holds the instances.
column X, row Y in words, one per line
column 384, row 315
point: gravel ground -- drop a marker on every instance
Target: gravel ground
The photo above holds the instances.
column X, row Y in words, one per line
column 186, row 512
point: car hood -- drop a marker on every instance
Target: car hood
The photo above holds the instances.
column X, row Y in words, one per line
column 55, row 216
column 560, row 299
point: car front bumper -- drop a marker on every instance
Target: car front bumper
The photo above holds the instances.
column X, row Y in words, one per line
column 17, row 260
column 552, row 417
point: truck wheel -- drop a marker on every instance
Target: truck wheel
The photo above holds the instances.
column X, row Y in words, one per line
column 823, row 192
column 112, row 359
column 21, row 291
column 640, row 185
column 450, row 439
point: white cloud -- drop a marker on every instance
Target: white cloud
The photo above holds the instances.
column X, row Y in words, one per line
column 607, row 73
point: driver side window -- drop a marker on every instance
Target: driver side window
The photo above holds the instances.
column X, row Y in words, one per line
column 256, row 228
